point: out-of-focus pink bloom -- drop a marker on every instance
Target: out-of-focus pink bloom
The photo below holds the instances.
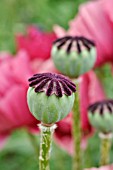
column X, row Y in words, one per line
column 108, row 8
column 5, row 56
column 36, row 43
column 14, row 113
column 90, row 92
column 60, row 32
column 63, row 135
column 92, row 22
column 108, row 167
column 14, row 73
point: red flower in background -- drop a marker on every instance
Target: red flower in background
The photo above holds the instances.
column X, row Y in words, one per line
column 90, row 91
column 36, row 43
column 94, row 22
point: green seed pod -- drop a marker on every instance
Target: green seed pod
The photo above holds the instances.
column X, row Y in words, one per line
column 73, row 56
column 101, row 116
column 50, row 97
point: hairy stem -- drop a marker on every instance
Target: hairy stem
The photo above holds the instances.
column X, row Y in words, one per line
column 76, row 133
column 45, row 146
column 105, row 149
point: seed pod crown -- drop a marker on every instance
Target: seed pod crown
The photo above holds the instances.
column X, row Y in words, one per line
column 102, row 107
column 101, row 115
column 50, row 97
column 52, row 83
column 74, row 43
column 73, row 56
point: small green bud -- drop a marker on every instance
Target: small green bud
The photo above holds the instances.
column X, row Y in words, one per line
column 101, row 116
column 73, row 56
column 50, row 97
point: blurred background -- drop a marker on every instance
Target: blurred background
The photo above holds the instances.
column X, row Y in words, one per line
column 15, row 15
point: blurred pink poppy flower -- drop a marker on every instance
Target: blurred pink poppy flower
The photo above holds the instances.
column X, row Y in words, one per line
column 5, row 56
column 88, row 86
column 36, row 43
column 108, row 167
column 14, row 113
column 108, row 7
column 14, row 73
column 92, row 22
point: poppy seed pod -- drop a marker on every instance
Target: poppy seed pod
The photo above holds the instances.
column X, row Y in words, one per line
column 73, row 56
column 101, row 116
column 50, row 97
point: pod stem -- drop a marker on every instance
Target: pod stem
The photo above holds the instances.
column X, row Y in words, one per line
column 76, row 131
column 105, row 148
column 45, row 146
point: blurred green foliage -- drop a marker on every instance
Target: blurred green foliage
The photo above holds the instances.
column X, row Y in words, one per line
column 15, row 15
column 19, row 154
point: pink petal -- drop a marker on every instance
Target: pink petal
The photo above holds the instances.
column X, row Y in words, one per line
column 63, row 135
column 89, row 85
column 6, row 77
column 108, row 8
column 93, row 23
column 108, row 167
column 95, row 86
column 84, row 103
column 14, row 110
column 4, row 56
column 38, row 44
column 47, row 66
column 59, row 31
column 21, row 67
column 17, row 70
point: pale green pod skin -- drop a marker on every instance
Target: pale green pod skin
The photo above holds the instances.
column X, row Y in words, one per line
column 103, row 123
column 49, row 109
column 73, row 64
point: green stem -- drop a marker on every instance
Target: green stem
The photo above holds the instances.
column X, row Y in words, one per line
column 76, row 133
column 45, row 146
column 105, row 149
column 34, row 143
